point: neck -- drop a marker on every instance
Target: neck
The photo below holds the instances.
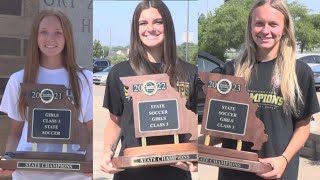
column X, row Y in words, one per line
column 267, row 55
column 154, row 55
column 51, row 62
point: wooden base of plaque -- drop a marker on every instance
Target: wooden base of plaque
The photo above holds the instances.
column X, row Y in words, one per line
column 156, row 155
column 44, row 161
column 231, row 159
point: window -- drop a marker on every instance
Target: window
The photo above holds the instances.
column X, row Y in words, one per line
column 10, row 7
column 206, row 65
column 104, row 63
column 10, row 46
column 311, row 59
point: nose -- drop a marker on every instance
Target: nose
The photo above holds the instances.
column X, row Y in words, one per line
column 50, row 36
column 150, row 27
column 266, row 29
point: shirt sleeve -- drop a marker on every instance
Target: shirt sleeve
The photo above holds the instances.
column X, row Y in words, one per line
column 87, row 97
column 112, row 96
column 310, row 104
column 9, row 103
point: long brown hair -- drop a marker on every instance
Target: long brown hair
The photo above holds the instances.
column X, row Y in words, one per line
column 138, row 56
column 32, row 62
column 285, row 68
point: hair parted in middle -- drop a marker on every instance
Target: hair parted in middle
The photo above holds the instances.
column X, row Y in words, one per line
column 285, row 68
column 138, row 56
column 33, row 58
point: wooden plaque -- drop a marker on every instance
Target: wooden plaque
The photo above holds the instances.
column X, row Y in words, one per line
column 158, row 110
column 52, row 118
column 230, row 113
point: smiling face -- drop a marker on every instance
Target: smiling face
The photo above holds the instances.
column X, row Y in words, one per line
column 151, row 28
column 267, row 28
column 51, row 39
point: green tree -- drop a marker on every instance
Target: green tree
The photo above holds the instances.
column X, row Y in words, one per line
column 192, row 52
column 117, row 48
column 105, row 50
column 308, row 31
column 97, row 49
column 118, row 58
column 224, row 28
column 307, row 26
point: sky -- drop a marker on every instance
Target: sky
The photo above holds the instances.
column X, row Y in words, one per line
column 115, row 16
column 209, row 5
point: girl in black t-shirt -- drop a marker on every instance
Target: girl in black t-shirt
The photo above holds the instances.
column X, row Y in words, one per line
column 268, row 65
column 152, row 51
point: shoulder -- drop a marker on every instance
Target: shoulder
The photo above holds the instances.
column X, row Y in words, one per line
column 121, row 69
column 16, row 77
column 87, row 73
column 303, row 69
column 121, row 66
column 302, row 65
column 85, row 76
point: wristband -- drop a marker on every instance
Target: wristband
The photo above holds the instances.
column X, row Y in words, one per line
column 113, row 151
column 285, row 158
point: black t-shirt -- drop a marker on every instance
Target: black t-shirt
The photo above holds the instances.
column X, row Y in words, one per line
column 278, row 125
column 119, row 103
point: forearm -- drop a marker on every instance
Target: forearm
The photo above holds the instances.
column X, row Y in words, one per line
column 112, row 133
column 298, row 139
column 14, row 136
column 89, row 149
column 12, row 142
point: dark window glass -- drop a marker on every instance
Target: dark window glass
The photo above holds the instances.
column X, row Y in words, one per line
column 104, row 63
column 10, row 7
column 9, row 46
column 206, row 65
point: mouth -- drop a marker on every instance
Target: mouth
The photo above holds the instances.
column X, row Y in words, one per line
column 151, row 36
column 50, row 46
column 264, row 39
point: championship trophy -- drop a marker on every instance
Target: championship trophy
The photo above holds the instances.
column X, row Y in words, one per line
column 52, row 118
column 158, row 110
column 229, row 113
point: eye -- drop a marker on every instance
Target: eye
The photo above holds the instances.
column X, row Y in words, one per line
column 58, row 33
column 273, row 24
column 160, row 21
column 142, row 23
column 259, row 23
column 43, row 32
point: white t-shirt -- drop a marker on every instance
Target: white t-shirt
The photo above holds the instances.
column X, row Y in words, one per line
column 9, row 105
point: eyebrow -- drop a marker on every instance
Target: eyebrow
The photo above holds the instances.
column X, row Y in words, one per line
column 152, row 20
column 46, row 28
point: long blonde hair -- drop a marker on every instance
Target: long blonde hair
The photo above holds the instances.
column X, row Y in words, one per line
column 285, row 68
column 32, row 62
